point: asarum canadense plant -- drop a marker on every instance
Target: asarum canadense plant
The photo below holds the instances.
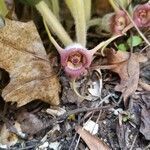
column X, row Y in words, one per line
column 76, row 59
column 116, row 22
column 141, row 15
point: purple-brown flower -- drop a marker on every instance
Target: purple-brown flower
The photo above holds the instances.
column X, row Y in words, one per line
column 141, row 15
column 119, row 21
column 75, row 60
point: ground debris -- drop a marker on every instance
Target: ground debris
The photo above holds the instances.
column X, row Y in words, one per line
column 93, row 142
column 126, row 65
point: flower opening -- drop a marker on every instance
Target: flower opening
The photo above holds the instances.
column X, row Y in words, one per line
column 76, row 59
column 141, row 15
column 119, row 21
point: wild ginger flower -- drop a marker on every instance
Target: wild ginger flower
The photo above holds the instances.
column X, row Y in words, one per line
column 141, row 15
column 119, row 22
column 75, row 60
column 115, row 23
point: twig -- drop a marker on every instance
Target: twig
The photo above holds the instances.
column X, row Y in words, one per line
column 77, row 143
column 85, row 109
column 131, row 148
column 144, row 85
column 144, row 48
column 74, row 137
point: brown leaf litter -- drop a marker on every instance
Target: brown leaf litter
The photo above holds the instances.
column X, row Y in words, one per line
column 145, row 122
column 7, row 137
column 24, row 57
column 126, row 65
column 30, row 123
column 93, row 142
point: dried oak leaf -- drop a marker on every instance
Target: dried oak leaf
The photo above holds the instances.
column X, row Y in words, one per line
column 93, row 142
column 126, row 65
column 24, row 57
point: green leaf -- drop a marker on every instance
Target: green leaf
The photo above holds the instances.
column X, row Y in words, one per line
column 3, row 8
column 122, row 47
column 134, row 41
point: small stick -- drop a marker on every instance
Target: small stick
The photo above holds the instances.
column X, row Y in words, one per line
column 131, row 148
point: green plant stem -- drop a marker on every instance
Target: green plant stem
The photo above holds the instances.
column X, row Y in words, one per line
column 113, row 4
column 69, row 4
column 77, row 10
column 94, row 22
column 55, row 7
column 104, row 44
column 87, row 9
column 49, row 3
column 3, row 8
column 53, row 23
column 51, row 38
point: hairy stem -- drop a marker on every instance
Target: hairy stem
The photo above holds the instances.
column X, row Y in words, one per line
column 55, row 7
column 53, row 23
column 77, row 10
column 87, row 9
column 51, row 38
column 94, row 22
column 104, row 44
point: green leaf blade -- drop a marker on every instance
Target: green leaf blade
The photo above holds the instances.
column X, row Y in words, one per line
column 134, row 41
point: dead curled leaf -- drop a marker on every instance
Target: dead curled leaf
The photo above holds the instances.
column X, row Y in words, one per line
column 30, row 123
column 24, row 57
column 126, row 65
column 93, row 142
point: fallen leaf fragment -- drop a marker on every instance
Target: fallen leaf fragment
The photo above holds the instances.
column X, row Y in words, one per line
column 91, row 126
column 126, row 65
column 58, row 111
column 95, row 85
column 144, row 85
column 93, row 142
column 24, row 57
column 43, row 146
column 55, row 145
column 145, row 123
column 7, row 137
column 30, row 123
